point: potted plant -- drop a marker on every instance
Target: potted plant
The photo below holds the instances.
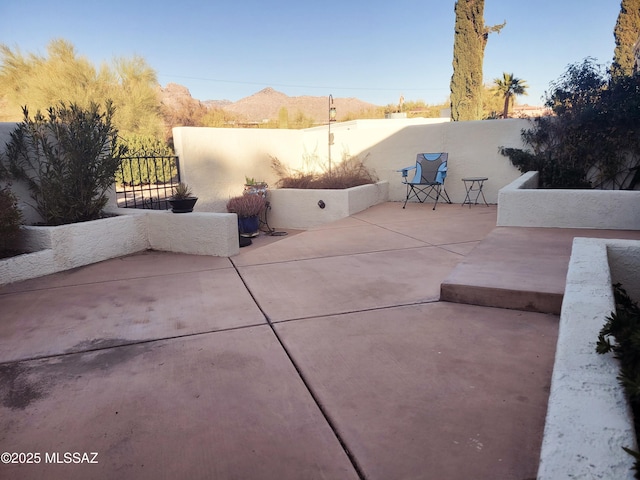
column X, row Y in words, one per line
column 248, row 208
column 252, row 186
column 182, row 201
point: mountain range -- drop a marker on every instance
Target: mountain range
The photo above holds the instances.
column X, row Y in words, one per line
column 267, row 103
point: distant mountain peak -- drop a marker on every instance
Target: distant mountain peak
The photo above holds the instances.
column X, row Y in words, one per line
column 266, row 104
column 268, row 92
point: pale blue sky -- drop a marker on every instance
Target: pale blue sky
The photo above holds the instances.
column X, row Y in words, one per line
column 375, row 50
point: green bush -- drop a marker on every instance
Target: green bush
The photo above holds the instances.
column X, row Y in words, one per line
column 593, row 140
column 68, row 158
column 10, row 216
column 624, row 326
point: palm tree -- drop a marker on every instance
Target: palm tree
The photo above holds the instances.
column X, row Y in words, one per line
column 507, row 87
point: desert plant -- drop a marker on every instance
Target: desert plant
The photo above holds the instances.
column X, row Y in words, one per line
column 181, row 191
column 350, row 172
column 61, row 74
column 68, row 159
column 246, row 205
column 10, row 216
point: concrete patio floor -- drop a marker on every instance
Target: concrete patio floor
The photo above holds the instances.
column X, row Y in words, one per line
column 323, row 354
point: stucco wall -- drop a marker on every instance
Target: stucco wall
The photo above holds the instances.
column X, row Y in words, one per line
column 63, row 247
column 522, row 204
column 215, row 161
column 194, row 233
column 588, row 419
column 299, row 208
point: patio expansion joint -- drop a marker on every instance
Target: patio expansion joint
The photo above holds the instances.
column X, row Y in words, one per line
column 354, row 254
column 363, row 310
column 426, row 244
column 352, row 459
column 129, row 344
column 99, row 282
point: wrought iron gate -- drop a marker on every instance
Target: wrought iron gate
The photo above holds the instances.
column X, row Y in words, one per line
column 147, row 181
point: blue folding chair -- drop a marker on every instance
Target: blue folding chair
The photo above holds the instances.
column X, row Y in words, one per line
column 428, row 180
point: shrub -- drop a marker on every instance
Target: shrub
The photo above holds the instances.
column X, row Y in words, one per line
column 350, row 172
column 181, row 191
column 10, row 216
column 68, row 158
column 624, row 326
column 248, row 205
column 593, row 141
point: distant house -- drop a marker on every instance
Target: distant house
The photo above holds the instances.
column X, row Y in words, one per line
column 522, row 111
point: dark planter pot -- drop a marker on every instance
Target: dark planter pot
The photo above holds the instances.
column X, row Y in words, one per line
column 249, row 226
column 183, row 205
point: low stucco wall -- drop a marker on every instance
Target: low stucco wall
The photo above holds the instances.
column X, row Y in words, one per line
column 522, row 204
column 588, row 418
column 24, row 267
column 195, row 233
column 298, row 208
column 55, row 249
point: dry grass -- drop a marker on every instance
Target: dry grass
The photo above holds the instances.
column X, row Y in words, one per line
column 350, row 172
column 246, row 205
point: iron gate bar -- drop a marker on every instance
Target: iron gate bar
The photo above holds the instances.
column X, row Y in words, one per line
column 144, row 188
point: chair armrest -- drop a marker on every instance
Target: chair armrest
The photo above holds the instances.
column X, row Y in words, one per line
column 405, row 170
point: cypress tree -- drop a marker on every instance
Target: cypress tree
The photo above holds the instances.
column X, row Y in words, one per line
column 470, row 40
column 626, row 34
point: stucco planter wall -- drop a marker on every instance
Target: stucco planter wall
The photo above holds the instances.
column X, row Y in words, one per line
column 194, row 233
column 588, row 418
column 299, row 208
column 522, row 204
column 24, row 267
column 70, row 246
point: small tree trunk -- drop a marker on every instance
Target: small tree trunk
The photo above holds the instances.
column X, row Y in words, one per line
column 505, row 111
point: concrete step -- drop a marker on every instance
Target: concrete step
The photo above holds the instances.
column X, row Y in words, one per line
column 519, row 268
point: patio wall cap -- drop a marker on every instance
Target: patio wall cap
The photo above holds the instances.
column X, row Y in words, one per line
column 588, row 418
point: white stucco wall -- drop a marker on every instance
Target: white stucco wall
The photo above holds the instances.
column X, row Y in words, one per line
column 63, row 247
column 522, row 204
column 624, row 260
column 588, row 419
column 215, row 161
column 298, row 208
column 194, row 233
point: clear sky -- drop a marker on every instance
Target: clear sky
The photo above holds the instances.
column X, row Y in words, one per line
column 375, row 50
